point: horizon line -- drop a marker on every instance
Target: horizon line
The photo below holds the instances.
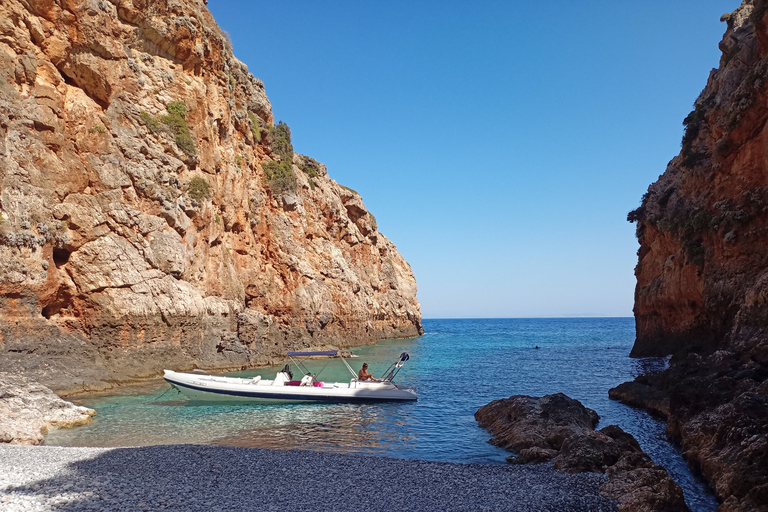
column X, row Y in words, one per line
column 523, row 317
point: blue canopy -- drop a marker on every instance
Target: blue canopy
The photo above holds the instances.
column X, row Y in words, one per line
column 318, row 353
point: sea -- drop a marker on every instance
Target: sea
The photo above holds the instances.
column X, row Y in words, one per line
column 456, row 367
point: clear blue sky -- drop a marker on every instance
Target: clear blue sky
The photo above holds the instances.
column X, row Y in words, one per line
column 500, row 144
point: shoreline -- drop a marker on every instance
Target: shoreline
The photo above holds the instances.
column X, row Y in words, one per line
column 206, row 477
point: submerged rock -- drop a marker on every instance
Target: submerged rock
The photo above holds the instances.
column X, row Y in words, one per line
column 560, row 429
column 28, row 410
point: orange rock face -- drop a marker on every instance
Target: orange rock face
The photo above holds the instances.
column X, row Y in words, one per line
column 702, row 275
column 702, row 262
column 134, row 239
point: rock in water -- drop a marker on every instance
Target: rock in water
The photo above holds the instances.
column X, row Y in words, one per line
column 702, row 275
column 28, row 410
column 561, row 429
column 152, row 214
column 522, row 422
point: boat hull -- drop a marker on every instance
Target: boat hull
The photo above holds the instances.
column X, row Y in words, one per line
column 215, row 388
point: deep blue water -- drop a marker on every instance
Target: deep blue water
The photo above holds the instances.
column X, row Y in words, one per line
column 456, row 367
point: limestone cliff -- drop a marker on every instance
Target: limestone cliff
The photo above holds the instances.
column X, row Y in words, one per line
column 152, row 213
column 702, row 274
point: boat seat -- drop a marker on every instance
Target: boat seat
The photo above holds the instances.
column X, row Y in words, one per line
column 281, row 379
column 256, row 379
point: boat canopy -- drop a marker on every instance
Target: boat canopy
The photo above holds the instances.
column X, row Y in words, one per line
column 317, row 353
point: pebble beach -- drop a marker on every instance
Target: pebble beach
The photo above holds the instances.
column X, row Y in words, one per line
column 213, row 478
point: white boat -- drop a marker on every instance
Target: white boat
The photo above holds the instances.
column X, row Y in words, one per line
column 283, row 387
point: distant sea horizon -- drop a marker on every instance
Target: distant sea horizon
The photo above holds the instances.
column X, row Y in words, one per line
column 554, row 317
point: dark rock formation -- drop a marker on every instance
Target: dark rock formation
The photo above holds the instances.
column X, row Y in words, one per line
column 560, row 429
column 702, row 275
column 152, row 214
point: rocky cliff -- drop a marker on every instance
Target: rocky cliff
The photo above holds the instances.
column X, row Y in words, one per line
column 152, row 214
column 702, row 274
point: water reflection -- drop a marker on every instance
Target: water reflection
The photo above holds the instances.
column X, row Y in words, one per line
column 343, row 428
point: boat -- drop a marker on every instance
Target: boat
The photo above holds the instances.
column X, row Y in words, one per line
column 196, row 386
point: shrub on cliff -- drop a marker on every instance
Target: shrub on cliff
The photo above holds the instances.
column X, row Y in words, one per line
column 176, row 123
column 279, row 176
column 279, row 139
column 698, row 221
column 692, row 123
column 149, row 121
column 199, row 189
column 255, row 127
column 310, row 166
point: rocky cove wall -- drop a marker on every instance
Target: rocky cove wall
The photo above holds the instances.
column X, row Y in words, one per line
column 702, row 275
column 702, row 272
column 128, row 244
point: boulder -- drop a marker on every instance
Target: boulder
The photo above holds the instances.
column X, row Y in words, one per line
column 560, row 429
column 28, row 410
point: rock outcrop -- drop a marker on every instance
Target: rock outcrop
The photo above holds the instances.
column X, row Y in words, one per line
column 152, row 214
column 560, row 429
column 29, row 410
column 702, row 275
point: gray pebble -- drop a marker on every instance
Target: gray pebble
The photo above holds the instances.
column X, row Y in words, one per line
column 203, row 478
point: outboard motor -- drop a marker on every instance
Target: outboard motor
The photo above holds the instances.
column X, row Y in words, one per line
column 283, row 376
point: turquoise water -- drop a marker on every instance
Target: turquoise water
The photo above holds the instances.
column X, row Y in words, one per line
column 458, row 366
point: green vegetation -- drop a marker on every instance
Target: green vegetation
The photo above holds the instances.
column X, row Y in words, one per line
column 199, row 189
column 700, row 220
column 693, row 158
column 310, row 166
column 177, row 108
column 279, row 174
column 239, row 160
column 692, row 123
column 255, row 127
column 636, row 214
column 149, row 121
column 99, row 128
column 279, row 139
column 176, row 123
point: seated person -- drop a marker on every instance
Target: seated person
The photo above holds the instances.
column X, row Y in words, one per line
column 364, row 375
